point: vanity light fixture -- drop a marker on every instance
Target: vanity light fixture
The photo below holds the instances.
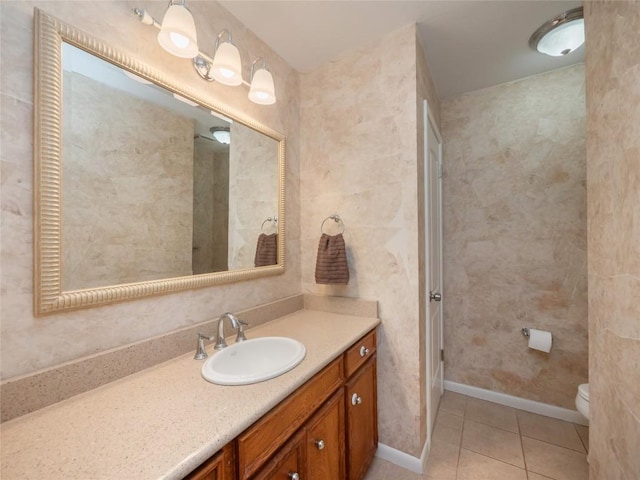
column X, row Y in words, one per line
column 221, row 134
column 178, row 37
column 561, row 35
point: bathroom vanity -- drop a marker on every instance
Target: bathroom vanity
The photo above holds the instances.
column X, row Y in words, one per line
column 317, row 421
column 325, row 430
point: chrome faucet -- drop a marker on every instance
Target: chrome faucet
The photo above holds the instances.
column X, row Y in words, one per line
column 201, row 353
column 235, row 323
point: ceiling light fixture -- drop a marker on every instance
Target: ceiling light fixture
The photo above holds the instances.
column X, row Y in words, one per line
column 221, row 134
column 561, row 35
column 178, row 37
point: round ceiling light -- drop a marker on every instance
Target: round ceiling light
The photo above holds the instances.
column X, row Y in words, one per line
column 560, row 36
column 221, row 134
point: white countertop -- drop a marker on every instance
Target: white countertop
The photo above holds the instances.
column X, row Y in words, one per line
column 161, row 423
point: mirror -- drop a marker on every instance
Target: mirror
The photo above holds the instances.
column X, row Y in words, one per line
column 135, row 195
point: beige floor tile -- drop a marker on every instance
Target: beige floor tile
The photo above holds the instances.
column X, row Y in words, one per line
column 550, row 430
column 493, row 442
column 583, row 432
column 448, row 428
column 453, row 403
column 556, row 462
column 383, row 470
column 474, row 466
column 442, row 462
column 492, row 414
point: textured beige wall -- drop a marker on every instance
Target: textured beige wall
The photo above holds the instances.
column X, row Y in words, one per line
column 515, row 236
column 30, row 343
column 613, row 186
column 358, row 157
column 107, row 190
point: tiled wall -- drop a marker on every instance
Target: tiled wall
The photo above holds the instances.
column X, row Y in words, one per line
column 613, row 185
column 358, row 159
column 30, row 343
column 515, row 246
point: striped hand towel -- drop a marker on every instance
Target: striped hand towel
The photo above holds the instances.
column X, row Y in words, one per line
column 331, row 264
column 266, row 250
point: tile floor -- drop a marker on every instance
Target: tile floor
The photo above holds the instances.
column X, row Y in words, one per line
column 478, row 440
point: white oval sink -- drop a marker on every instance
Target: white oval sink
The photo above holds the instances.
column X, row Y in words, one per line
column 253, row 361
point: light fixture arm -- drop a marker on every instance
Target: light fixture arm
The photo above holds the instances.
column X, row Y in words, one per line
column 219, row 37
column 253, row 64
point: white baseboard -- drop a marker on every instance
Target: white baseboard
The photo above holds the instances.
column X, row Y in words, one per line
column 404, row 460
column 532, row 406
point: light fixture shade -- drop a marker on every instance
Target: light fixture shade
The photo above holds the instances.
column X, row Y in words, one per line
column 262, row 90
column 563, row 39
column 561, row 35
column 221, row 134
column 178, row 33
column 227, row 67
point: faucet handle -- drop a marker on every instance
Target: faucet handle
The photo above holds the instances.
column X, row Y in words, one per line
column 201, row 353
column 240, row 337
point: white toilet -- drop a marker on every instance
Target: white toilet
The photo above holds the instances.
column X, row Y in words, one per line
column 582, row 400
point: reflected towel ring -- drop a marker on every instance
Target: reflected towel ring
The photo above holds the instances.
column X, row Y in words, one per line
column 269, row 219
column 336, row 218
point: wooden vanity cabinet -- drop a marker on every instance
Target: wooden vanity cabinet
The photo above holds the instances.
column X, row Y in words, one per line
column 222, row 466
column 326, row 430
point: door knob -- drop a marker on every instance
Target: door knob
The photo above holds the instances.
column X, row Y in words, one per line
column 320, row 444
column 356, row 399
column 435, row 296
column 294, row 476
column 364, row 351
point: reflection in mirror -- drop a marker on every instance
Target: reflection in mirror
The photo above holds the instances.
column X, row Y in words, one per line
column 137, row 192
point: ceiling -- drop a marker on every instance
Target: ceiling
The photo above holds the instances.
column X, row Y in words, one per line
column 468, row 44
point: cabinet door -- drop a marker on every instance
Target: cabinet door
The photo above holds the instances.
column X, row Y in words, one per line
column 362, row 420
column 325, row 441
column 289, row 462
column 219, row 467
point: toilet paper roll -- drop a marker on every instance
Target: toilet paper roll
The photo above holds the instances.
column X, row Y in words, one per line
column 540, row 340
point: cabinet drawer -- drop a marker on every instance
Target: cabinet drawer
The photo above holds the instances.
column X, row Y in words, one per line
column 359, row 353
column 262, row 439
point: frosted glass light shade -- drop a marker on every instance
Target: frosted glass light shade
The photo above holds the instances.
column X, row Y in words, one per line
column 178, row 33
column 227, row 67
column 222, row 136
column 563, row 39
column 262, row 90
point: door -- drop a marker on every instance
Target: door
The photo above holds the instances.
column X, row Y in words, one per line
column 325, row 441
column 433, row 267
column 362, row 420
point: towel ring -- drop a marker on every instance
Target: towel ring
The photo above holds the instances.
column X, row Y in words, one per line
column 269, row 219
column 336, row 218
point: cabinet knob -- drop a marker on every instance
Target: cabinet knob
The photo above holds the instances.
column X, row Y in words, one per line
column 364, row 351
column 294, row 476
column 320, row 444
column 356, row 399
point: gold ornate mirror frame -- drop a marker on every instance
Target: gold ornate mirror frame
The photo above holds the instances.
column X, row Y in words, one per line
column 49, row 34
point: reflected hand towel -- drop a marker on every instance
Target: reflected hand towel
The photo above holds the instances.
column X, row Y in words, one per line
column 331, row 264
column 266, row 250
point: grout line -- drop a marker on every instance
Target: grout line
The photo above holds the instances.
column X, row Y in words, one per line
column 524, row 458
column 585, row 445
column 554, row 445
